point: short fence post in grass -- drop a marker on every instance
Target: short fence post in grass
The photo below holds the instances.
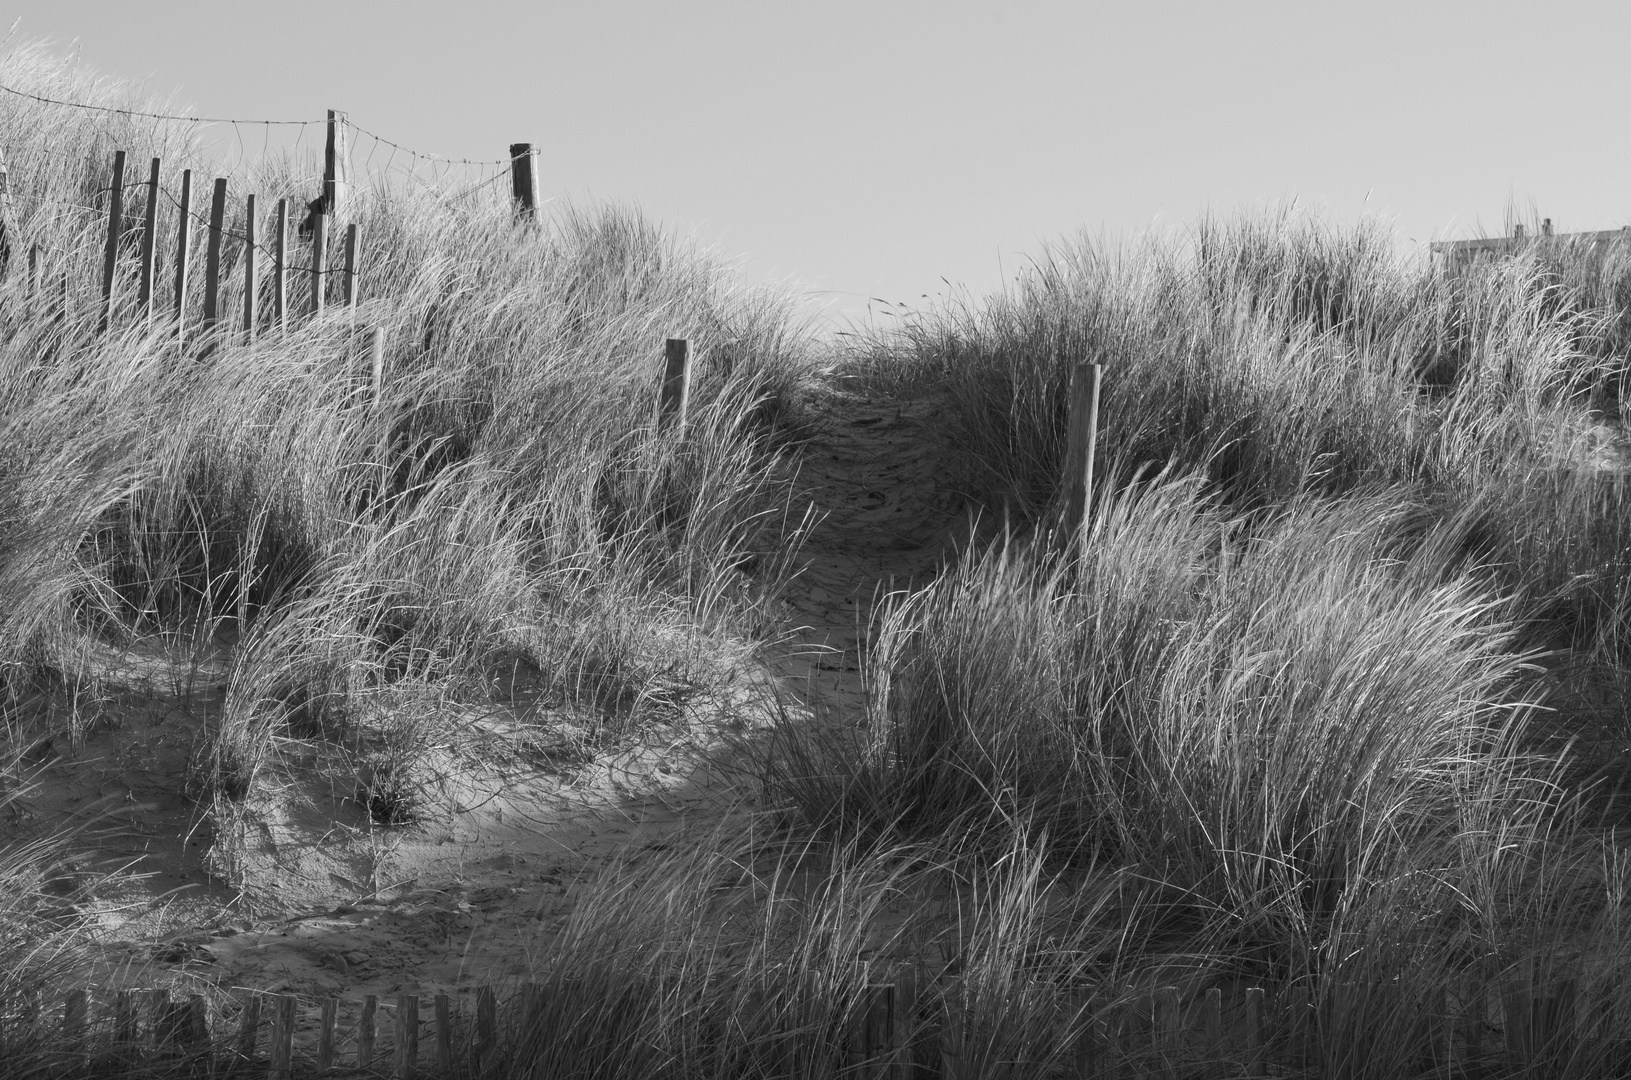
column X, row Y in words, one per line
column 336, row 165
column 1515, row 1016
column 367, row 1031
column 251, row 282
column 325, row 1035
column 280, row 267
column 1546, row 227
column 1080, row 441
column 75, row 1018
column 212, row 255
column 407, row 1036
column 150, row 228
column 249, row 1022
column 282, row 1049
column 524, row 179
column 350, row 279
column 184, row 232
column 877, row 1025
column 676, row 384
column 125, row 1030
column 110, row 255
column 482, row 1051
column 1167, row 1021
column 158, row 1009
column 319, row 261
column 1256, row 1065
column 1212, row 1021
column 444, row 1036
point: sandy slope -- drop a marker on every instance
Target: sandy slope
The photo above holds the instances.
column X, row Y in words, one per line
column 297, row 891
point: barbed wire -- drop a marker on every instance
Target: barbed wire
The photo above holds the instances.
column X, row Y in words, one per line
column 150, row 115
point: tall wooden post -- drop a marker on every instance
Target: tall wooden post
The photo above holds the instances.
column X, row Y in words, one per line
column 280, row 271
column 251, row 283
column 676, row 384
column 212, row 255
column 1080, row 440
column 524, row 178
column 319, row 261
column 150, row 229
column 336, row 166
column 351, row 265
column 184, row 232
column 116, row 218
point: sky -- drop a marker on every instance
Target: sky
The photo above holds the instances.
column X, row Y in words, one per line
column 889, row 153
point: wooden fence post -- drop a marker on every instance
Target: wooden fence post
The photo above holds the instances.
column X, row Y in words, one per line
column 249, row 1022
column 1212, row 1021
column 280, row 271
column 212, row 255
column 124, row 1018
column 336, row 166
column 282, row 1049
column 351, row 265
column 251, row 282
column 110, row 255
column 319, row 261
column 183, row 252
column 367, row 1031
column 1167, row 1030
column 325, row 1037
column 524, row 179
column 33, row 270
column 6, row 227
column 407, row 1036
column 150, row 229
column 1080, row 441
column 676, row 384
column 486, row 1042
column 444, row 1036
column 1256, row 1064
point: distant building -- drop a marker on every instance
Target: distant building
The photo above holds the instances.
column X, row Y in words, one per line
column 1452, row 255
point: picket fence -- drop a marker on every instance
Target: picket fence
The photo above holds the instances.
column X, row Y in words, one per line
column 1165, row 1034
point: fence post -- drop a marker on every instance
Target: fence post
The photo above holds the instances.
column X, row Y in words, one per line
column 1167, row 1030
column 251, row 282
column 1212, row 1020
column 1256, row 1066
column 150, row 228
column 319, row 261
column 407, row 1036
column 249, row 1022
column 110, row 255
column 351, row 265
column 183, row 251
column 524, row 179
column 444, row 1036
column 280, row 271
column 282, row 1049
column 75, row 1015
column 482, row 1052
column 336, row 166
column 367, row 1031
column 5, row 220
column 1080, row 441
column 33, row 270
column 212, row 255
column 325, row 1036
column 676, row 384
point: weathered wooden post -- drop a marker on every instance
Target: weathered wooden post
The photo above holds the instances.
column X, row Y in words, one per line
column 249, row 1022
column 150, row 229
column 110, row 254
column 33, row 270
column 484, row 1050
column 676, row 393
column 444, row 1036
column 1081, row 439
column 280, row 270
column 124, row 1019
column 1257, row 1065
column 336, row 166
column 282, row 1048
column 524, row 179
column 251, row 282
column 6, row 218
column 212, row 256
column 325, row 1034
column 350, row 278
column 367, row 1031
column 1212, row 1021
column 1167, row 1030
column 76, row 1013
column 407, row 1036
column 183, row 252
column 319, row 261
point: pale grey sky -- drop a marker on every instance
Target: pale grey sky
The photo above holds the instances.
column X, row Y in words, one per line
column 874, row 149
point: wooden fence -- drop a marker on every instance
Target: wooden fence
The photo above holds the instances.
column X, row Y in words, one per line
column 1453, row 255
column 896, row 1034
